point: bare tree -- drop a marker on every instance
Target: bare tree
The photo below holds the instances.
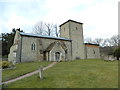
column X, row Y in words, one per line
column 98, row 41
column 42, row 28
column 115, row 40
column 39, row 28
column 88, row 40
column 105, row 42
column 49, row 29
column 57, row 31
column 108, row 42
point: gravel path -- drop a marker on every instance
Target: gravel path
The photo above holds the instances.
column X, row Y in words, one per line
column 29, row 74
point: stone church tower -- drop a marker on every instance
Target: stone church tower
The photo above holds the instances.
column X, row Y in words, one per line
column 74, row 30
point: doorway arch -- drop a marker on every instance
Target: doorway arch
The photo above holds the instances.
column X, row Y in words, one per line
column 57, row 56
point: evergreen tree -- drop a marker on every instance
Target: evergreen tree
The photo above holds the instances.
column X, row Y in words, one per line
column 7, row 41
column 117, row 53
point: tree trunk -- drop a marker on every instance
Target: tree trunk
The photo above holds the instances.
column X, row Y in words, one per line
column 117, row 58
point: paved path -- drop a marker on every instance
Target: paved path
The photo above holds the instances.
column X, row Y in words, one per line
column 29, row 74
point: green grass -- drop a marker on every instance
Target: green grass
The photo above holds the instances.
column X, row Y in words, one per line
column 74, row 74
column 21, row 69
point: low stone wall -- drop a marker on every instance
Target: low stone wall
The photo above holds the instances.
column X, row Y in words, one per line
column 108, row 57
column 4, row 59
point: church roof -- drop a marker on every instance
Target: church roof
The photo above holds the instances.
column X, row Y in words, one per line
column 71, row 21
column 52, row 45
column 41, row 36
column 91, row 44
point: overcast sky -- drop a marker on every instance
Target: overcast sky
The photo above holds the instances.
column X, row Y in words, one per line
column 99, row 17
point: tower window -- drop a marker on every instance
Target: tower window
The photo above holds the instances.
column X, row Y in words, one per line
column 33, row 47
column 64, row 29
column 76, row 28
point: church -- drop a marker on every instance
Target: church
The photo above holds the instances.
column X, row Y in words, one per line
column 69, row 46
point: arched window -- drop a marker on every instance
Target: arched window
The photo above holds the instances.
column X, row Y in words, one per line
column 33, row 46
column 93, row 51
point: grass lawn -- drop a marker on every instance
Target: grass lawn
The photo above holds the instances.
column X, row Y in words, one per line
column 74, row 74
column 21, row 68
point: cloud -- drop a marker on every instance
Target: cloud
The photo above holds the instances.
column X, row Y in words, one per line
column 18, row 14
column 104, row 18
column 99, row 16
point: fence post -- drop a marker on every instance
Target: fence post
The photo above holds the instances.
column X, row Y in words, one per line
column 41, row 72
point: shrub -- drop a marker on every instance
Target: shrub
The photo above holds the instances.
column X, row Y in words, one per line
column 4, row 64
column 4, row 86
column 117, row 53
column 5, row 56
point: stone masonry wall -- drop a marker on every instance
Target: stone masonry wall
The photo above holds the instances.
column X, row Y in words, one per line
column 29, row 55
column 76, row 34
column 92, row 53
column 74, row 31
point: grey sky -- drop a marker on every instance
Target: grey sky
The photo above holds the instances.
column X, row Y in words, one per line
column 100, row 17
